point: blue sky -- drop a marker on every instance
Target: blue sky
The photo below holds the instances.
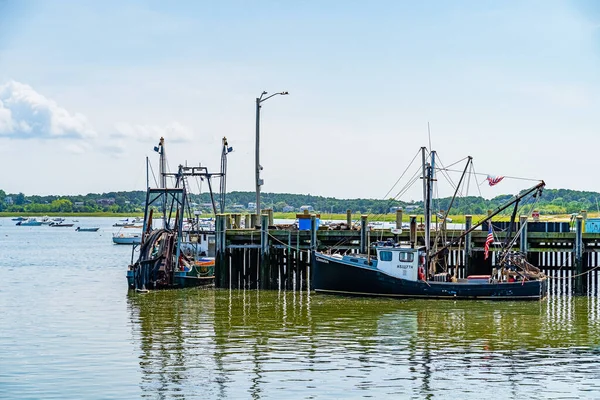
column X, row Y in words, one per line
column 87, row 88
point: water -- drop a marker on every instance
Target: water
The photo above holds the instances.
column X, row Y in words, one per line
column 70, row 330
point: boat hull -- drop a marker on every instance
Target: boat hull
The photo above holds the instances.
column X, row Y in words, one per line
column 336, row 277
column 130, row 240
column 182, row 279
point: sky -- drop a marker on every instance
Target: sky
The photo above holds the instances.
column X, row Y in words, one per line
column 87, row 88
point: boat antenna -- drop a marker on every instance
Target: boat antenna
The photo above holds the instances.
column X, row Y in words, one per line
column 429, row 135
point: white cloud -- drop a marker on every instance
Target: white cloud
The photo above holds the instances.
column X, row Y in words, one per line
column 173, row 132
column 26, row 114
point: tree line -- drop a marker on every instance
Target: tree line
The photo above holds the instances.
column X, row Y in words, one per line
column 553, row 201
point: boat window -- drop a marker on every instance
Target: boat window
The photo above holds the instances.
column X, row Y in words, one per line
column 354, row 260
column 385, row 255
column 406, row 256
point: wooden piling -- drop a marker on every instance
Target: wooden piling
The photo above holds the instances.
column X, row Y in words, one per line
column 579, row 255
column 349, row 218
column 363, row 234
column 248, row 222
column 413, row 231
column 264, row 251
column 399, row 218
column 237, row 220
column 468, row 225
column 221, row 267
column 523, row 239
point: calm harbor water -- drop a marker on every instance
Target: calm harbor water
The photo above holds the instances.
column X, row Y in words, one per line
column 69, row 329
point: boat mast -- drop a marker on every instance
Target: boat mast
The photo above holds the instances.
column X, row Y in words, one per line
column 429, row 170
column 425, row 187
column 162, row 168
column 223, row 188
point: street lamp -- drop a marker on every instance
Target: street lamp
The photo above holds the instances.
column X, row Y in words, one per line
column 259, row 182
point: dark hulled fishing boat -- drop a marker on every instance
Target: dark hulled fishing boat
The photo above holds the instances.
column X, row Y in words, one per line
column 178, row 253
column 407, row 270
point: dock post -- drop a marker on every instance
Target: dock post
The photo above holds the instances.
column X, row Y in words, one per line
column 579, row 255
column 363, row 234
column 468, row 225
column 237, row 219
column 228, row 220
column 413, row 231
column 349, row 218
column 264, row 250
column 221, row 268
column 523, row 227
column 269, row 212
column 399, row 218
column 253, row 221
column 313, row 233
column 247, row 222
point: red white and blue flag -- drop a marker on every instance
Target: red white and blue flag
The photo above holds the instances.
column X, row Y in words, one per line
column 492, row 180
column 489, row 240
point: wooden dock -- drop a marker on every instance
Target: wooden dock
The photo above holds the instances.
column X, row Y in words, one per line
column 270, row 257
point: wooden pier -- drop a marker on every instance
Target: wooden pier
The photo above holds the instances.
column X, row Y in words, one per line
column 271, row 257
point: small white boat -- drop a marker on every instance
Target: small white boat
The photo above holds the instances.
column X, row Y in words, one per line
column 127, row 238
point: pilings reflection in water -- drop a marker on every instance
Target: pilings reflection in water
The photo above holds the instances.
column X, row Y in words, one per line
column 260, row 344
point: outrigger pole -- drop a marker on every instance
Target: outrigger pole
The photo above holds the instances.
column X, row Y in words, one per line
column 537, row 188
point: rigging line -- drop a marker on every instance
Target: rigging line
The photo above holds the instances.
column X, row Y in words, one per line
column 412, row 180
column 153, row 175
column 505, row 176
column 454, row 163
column 475, row 175
column 413, row 160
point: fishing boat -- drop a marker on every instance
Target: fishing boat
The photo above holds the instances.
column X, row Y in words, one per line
column 406, row 270
column 80, row 229
column 171, row 256
column 17, row 219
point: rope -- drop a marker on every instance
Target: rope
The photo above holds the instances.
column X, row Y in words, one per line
column 559, row 278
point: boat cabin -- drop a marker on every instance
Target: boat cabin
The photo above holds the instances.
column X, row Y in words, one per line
column 401, row 262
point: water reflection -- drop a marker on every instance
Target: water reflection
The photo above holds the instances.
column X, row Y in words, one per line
column 223, row 344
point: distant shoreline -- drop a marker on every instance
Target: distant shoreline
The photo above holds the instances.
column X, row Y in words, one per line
column 390, row 217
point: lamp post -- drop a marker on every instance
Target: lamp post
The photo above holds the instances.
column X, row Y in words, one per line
column 259, row 182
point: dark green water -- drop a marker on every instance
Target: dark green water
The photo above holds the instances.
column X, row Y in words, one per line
column 70, row 330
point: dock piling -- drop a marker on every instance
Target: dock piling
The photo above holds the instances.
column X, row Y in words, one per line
column 468, row 225
column 363, row 234
column 579, row 255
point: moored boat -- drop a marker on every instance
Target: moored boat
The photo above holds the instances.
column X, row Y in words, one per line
column 80, row 229
column 172, row 256
column 127, row 238
column 29, row 222
column 60, row 225
column 408, row 270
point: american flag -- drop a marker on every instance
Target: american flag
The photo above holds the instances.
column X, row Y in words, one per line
column 492, row 180
column 488, row 241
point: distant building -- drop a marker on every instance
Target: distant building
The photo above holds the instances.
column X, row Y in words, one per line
column 251, row 206
column 309, row 208
column 288, row 209
column 106, row 202
column 411, row 207
column 78, row 204
column 8, row 200
column 394, row 209
column 237, row 207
